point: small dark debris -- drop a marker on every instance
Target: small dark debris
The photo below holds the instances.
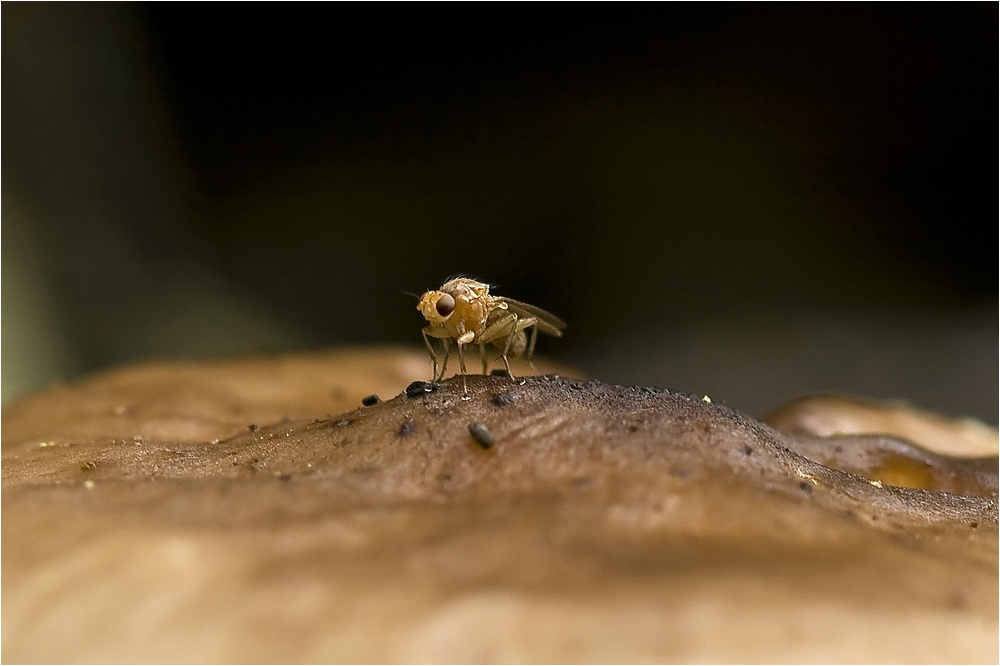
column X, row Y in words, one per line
column 253, row 427
column 420, row 388
column 370, row 400
column 407, row 428
column 500, row 372
column 633, row 427
column 746, row 450
column 284, row 476
column 89, row 466
column 481, row 434
column 502, row 399
column 974, row 525
column 806, row 487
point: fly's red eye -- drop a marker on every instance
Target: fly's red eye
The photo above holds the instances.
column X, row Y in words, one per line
column 445, row 305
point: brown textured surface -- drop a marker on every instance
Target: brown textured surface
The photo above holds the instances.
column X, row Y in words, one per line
column 604, row 524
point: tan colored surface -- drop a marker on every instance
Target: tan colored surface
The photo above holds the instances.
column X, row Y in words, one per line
column 835, row 415
column 605, row 524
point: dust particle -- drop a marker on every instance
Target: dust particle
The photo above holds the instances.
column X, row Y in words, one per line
column 370, row 400
column 502, row 399
column 418, row 388
column 481, row 434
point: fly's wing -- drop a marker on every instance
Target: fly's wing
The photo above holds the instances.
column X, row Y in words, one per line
column 548, row 323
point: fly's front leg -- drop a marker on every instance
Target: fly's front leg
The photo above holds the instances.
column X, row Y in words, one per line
column 482, row 358
column 430, row 351
column 446, row 343
column 428, row 333
column 461, row 364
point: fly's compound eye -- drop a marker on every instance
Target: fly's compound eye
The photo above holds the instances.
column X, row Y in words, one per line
column 445, row 305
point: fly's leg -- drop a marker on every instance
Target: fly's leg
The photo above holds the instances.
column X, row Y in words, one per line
column 531, row 348
column 506, row 349
column 509, row 325
column 429, row 333
column 444, row 363
column 482, row 358
column 434, row 358
column 461, row 364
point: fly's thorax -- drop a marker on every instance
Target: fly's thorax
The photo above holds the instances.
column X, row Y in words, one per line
column 470, row 315
column 466, row 288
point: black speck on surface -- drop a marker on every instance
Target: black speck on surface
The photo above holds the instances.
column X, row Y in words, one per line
column 284, row 476
column 806, row 487
column 502, row 399
column 419, row 388
column 499, row 372
column 408, row 427
column 253, row 427
column 370, row 400
column 481, row 434
column 746, row 450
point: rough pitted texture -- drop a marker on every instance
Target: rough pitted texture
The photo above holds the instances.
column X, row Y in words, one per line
column 604, row 523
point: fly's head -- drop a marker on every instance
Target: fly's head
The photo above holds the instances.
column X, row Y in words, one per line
column 436, row 307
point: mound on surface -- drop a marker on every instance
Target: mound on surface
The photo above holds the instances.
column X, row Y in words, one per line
column 600, row 523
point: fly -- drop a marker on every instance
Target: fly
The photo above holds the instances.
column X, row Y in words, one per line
column 463, row 310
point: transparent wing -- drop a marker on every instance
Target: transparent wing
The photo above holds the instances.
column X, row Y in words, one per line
column 548, row 323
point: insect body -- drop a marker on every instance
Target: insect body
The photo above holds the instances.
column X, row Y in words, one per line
column 464, row 311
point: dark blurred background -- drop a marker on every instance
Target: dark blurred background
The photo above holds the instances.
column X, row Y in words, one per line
column 751, row 201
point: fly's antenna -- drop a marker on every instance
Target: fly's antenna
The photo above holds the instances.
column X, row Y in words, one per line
column 407, row 293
